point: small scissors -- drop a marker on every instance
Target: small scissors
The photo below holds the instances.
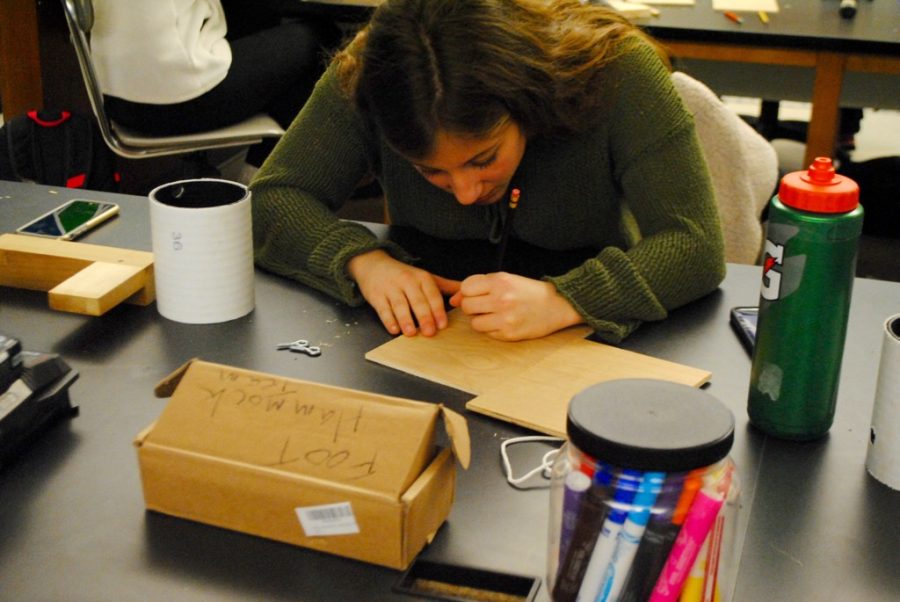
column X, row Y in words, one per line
column 301, row 346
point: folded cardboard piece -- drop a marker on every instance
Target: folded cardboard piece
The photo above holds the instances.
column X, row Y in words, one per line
column 337, row 470
column 528, row 383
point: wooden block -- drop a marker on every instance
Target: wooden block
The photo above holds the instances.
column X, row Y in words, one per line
column 528, row 383
column 43, row 264
column 97, row 288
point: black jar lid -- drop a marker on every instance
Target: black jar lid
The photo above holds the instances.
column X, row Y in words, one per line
column 649, row 424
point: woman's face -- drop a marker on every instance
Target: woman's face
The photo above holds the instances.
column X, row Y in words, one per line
column 477, row 171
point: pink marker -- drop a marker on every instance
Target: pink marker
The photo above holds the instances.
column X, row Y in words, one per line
column 687, row 545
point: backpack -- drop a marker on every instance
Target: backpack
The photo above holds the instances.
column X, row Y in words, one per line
column 57, row 148
column 879, row 181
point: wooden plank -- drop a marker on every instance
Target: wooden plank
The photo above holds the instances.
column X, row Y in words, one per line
column 97, row 288
column 43, row 264
column 823, row 123
column 20, row 58
column 528, row 383
column 76, row 250
column 738, row 53
column 871, row 63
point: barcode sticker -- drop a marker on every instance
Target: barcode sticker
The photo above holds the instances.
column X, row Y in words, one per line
column 328, row 519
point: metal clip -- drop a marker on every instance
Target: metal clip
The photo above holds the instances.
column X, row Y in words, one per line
column 301, row 346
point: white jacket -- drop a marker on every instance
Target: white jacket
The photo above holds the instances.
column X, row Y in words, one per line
column 159, row 51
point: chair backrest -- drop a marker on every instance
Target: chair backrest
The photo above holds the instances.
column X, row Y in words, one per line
column 126, row 143
column 743, row 166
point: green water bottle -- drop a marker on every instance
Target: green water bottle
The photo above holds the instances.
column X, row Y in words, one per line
column 809, row 263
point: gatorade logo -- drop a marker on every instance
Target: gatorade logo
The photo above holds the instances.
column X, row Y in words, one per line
column 771, row 276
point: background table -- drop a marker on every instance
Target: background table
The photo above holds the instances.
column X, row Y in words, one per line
column 805, row 52
column 815, row 526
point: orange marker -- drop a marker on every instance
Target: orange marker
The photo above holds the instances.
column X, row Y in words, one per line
column 514, row 198
column 733, row 17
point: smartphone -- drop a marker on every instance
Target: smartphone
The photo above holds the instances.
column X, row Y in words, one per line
column 70, row 219
column 743, row 320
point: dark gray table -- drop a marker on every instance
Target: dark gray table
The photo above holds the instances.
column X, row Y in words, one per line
column 814, row 525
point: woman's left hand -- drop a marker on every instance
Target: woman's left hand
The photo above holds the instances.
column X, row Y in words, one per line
column 513, row 308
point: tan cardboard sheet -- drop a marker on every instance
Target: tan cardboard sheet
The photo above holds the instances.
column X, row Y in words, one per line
column 364, row 440
column 528, row 383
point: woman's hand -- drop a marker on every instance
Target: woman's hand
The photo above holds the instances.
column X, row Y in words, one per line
column 403, row 295
column 513, row 308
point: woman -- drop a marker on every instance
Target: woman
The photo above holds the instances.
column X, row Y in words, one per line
column 451, row 103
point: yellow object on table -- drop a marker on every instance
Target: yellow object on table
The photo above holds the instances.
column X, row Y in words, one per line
column 80, row 278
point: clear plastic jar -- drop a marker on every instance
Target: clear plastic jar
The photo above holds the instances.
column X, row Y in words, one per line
column 644, row 498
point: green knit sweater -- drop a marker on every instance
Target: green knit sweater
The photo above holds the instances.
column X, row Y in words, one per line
column 634, row 184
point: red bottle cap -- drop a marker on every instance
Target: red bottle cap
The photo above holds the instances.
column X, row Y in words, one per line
column 819, row 189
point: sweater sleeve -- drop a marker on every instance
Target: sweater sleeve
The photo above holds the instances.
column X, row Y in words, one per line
column 678, row 251
column 311, row 172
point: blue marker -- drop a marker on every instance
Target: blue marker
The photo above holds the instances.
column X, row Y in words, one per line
column 606, row 541
column 630, row 536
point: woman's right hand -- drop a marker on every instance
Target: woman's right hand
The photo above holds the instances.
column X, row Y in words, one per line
column 403, row 296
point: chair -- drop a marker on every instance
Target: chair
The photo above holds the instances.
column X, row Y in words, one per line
column 133, row 145
column 742, row 164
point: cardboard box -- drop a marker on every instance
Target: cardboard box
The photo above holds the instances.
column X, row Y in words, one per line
column 337, row 470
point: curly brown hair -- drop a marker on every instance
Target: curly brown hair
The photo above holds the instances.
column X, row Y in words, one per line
column 466, row 65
